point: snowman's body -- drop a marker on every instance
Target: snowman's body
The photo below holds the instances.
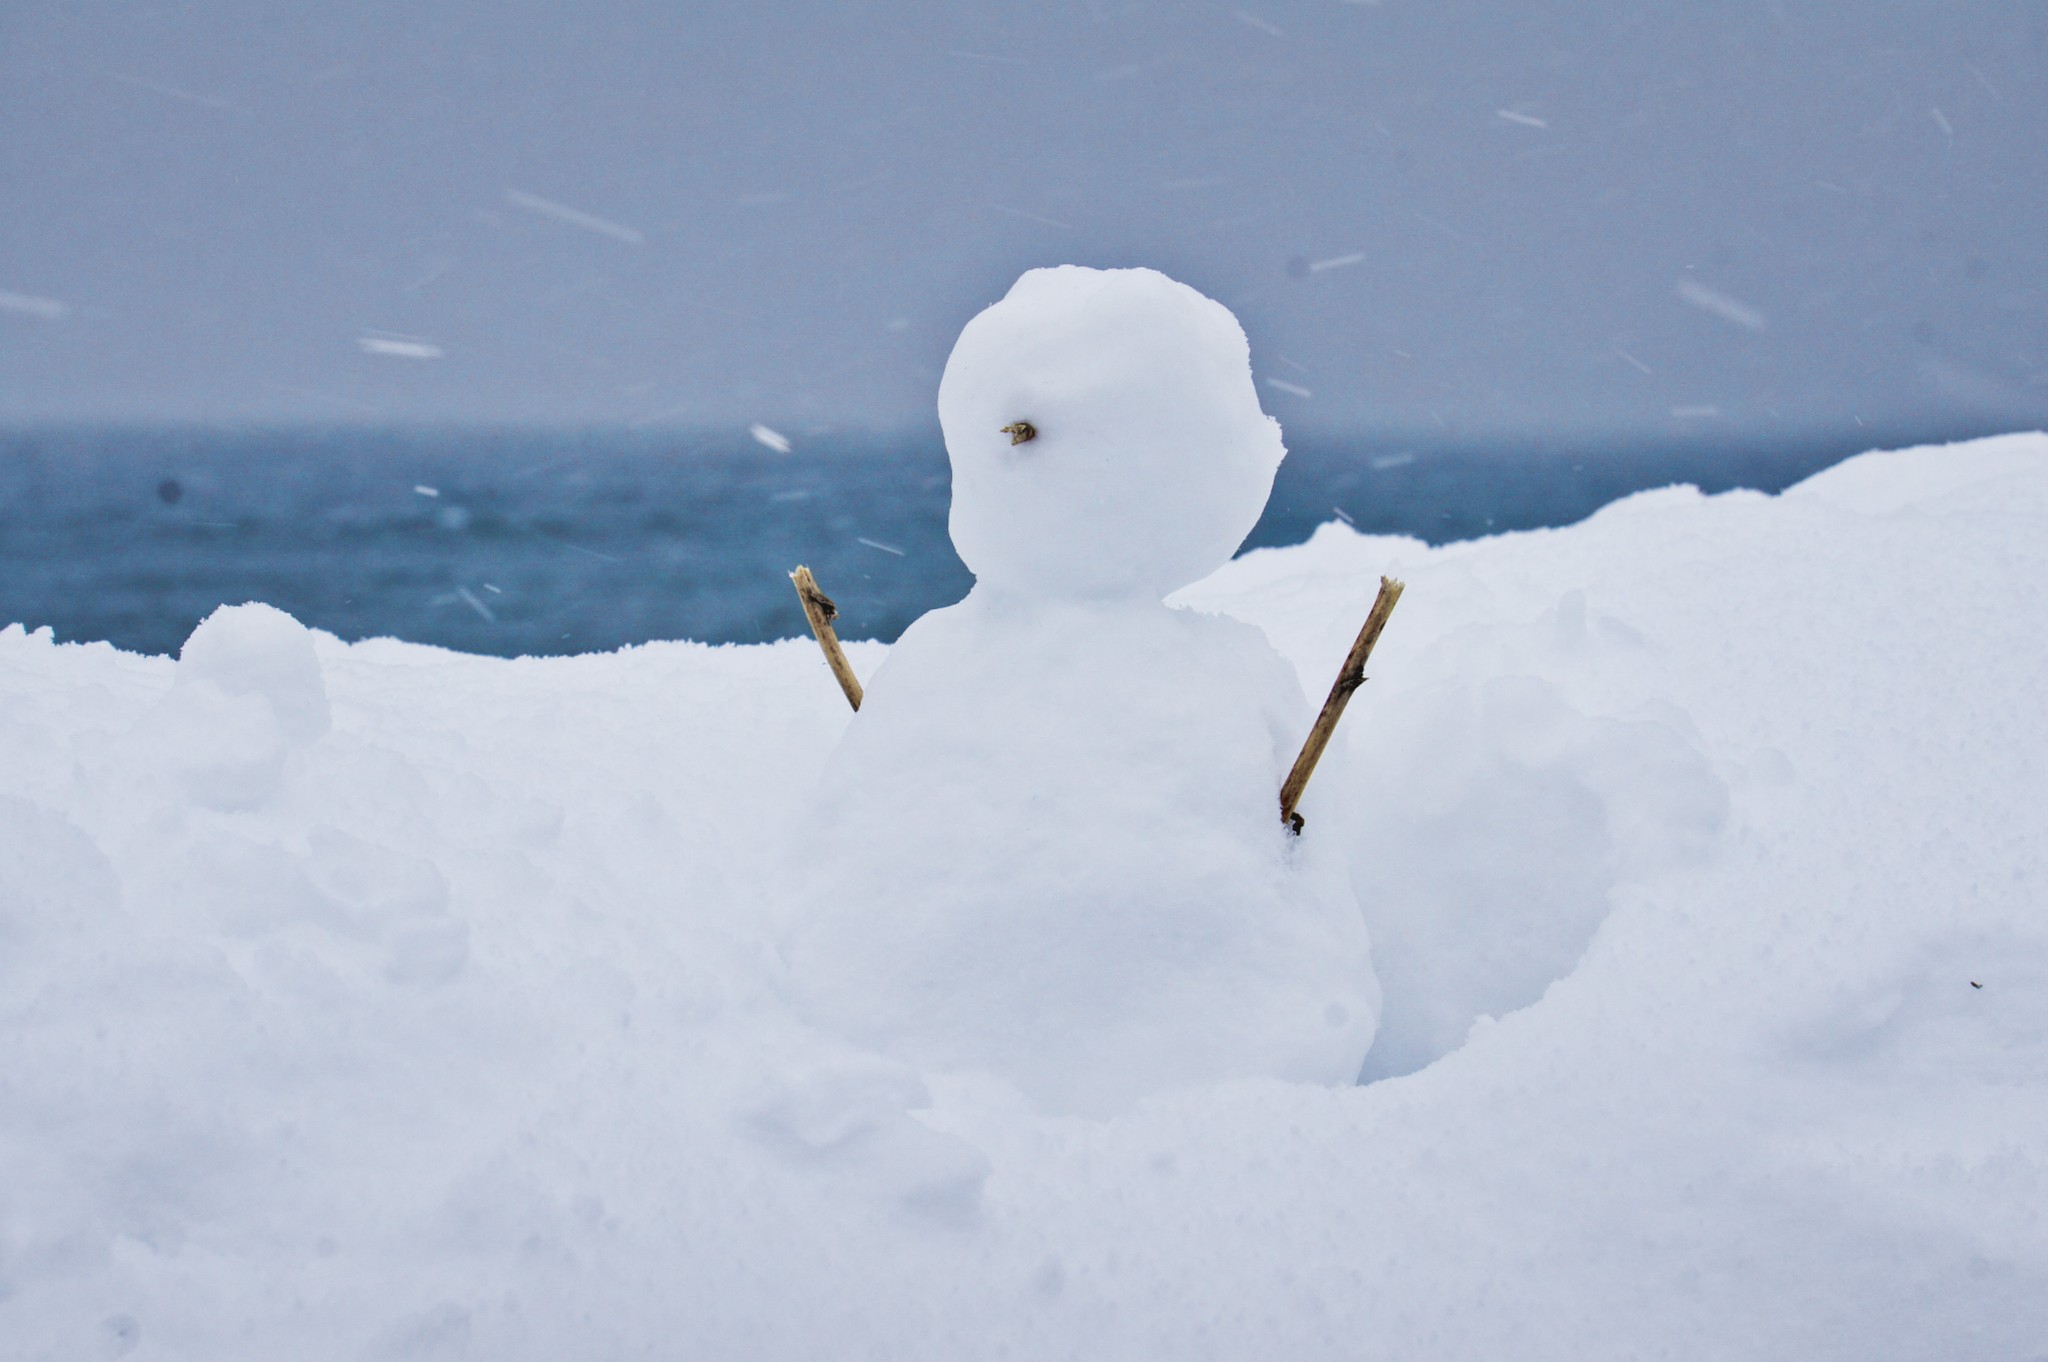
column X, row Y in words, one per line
column 1049, row 847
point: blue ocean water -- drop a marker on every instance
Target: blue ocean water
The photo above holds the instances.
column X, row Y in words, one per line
column 525, row 541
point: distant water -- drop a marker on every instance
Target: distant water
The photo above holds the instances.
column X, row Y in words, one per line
column 548, row 541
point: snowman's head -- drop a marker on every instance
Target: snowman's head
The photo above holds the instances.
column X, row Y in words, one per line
column 1150, row 459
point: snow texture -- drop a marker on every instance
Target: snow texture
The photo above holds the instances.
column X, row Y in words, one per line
column 1050, row 847
column 1701, row 844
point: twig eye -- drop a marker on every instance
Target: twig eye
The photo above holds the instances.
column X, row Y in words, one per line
column 1020, row 431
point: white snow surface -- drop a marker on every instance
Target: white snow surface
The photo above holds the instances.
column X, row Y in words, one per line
column 415, row 1005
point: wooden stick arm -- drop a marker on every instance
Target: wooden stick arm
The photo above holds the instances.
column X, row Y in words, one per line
column 1349, row 679
column 820, row 611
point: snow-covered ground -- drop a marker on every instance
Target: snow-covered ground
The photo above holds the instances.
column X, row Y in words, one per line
column 375, row 1001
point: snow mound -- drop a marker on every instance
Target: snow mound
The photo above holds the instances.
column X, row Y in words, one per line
column 1703, row 851
column 248, row 691
column 1050, row 849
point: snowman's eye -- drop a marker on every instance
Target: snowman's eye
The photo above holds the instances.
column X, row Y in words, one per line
column 1020, row 431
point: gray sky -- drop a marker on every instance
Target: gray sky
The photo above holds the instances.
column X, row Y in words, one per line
column 1651, row 217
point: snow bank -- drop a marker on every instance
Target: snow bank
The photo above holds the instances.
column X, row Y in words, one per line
column 407, row 1004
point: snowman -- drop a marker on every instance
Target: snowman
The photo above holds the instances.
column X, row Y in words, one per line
column 1048, row 847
